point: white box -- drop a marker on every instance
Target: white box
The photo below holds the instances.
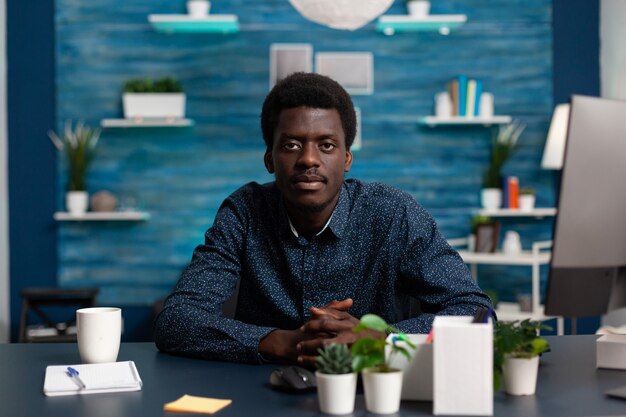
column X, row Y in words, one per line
column 611, row 351
column 463, row 366
column 417, row 378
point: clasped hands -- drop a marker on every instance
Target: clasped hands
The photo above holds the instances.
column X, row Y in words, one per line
column 328, row 324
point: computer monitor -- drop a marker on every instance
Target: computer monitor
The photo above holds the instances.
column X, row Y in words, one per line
column 587, row 274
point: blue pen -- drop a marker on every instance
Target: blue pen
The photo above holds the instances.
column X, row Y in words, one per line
column 73, row 373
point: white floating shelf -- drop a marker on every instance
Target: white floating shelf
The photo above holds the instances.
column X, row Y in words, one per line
column 463, row 120
column 147, row 122
column 536, row 212
column 390, row 24
column 499, row 258
column 184, row 23
column 103, row 216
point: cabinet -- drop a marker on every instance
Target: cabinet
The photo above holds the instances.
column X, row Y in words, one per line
column 537, row 256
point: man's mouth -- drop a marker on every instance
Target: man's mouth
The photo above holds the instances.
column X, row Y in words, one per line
column 309, row 182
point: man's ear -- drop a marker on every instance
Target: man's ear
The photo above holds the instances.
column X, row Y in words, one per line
column 269, row 164
column 348, row 163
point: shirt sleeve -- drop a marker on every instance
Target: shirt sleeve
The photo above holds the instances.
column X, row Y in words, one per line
column 191, row 322
column 434, row 273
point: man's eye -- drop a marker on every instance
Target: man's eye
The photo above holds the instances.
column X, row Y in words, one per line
column 328, row 146
column 290, row 146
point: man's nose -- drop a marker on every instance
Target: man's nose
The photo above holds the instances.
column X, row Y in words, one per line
column 310, row 155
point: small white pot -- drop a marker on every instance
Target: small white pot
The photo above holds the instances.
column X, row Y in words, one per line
column 166, row 105
column 526, row 202
column 418, row 8
column 520, row 375
column 336, row 393
column 382, row 391
column 198, row 8
column 76, row 202
column 491, row 198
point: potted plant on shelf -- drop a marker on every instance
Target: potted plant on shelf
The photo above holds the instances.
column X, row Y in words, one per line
column 382, row 383
column 336, row 382
column 527, row 198
column 517, row 347
column 145, row 98
column 79, row 146
column 504, row 143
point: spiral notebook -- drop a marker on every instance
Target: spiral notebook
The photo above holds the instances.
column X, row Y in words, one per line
column 98, row 378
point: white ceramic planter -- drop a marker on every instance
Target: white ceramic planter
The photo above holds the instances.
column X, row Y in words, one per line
column 382, row 391
column 153, row 105
column 336, row 393
column 198, row 8
column 418, row 8
column 491, row 198
column 520, row 375
column 526, row 202
column 76, row 202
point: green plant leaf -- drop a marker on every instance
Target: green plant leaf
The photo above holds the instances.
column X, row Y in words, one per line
column 374, row 322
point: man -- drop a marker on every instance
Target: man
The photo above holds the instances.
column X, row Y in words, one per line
column 312, row 251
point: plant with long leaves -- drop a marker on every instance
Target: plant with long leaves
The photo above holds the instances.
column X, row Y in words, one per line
column 79, row 146
column 518, row 340
column 369, row 352
column 503, row 145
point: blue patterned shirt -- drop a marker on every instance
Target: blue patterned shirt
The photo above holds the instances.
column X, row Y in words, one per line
column 380, row 248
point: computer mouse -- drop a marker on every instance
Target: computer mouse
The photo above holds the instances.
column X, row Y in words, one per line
column 293, row 379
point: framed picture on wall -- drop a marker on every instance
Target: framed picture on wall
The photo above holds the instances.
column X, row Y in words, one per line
column 353, row 70
column 287, row 58
column 487, row 237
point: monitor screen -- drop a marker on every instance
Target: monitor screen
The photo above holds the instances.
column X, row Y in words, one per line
column 589, row 253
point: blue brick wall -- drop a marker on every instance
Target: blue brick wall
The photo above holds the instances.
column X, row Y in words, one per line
column 181, row 175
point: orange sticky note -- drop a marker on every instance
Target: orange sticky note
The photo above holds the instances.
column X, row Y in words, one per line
column 191, row 404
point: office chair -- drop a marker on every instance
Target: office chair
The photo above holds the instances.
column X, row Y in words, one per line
column 41, row 302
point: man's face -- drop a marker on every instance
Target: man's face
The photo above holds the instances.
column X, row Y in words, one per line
column 309, row 158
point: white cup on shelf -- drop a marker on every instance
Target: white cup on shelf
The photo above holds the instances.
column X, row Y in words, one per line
column 443, row 105
column 486, row 105
column 198, row 8
column 99, row 331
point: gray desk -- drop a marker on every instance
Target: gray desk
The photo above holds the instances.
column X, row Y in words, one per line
column 569, row 385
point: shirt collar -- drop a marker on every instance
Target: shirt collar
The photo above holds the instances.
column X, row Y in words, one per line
column 336, row 223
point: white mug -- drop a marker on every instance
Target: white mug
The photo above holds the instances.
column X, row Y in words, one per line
column 99, row 332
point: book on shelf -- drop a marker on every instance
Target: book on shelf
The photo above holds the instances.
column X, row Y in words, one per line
column 453, row 89
column 510, row 192
column 465, row 96
column 462, row 94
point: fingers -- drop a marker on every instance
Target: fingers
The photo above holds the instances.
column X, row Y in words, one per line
column 309, row 347
column 327, row 324
column 342, row 305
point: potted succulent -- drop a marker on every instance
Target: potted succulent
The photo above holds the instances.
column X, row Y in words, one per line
column 517, row 346
column 504, row 143
column 527, row 198
column 382, row 384
column 79, row 146
column 336, row 382
column 145, row 98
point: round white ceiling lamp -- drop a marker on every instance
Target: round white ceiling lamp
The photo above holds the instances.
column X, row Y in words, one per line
column 341, row 14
